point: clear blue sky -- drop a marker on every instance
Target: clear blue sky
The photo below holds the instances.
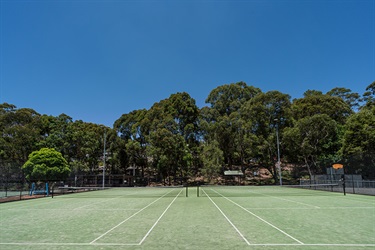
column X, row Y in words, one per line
column 96, row 60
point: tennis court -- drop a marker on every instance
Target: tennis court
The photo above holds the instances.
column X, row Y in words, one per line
column 166, row 218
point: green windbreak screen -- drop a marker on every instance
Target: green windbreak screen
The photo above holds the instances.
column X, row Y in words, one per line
column 259, row 191
column 126, row 192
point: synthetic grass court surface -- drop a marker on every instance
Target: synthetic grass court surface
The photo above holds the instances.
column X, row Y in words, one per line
column 147, row 218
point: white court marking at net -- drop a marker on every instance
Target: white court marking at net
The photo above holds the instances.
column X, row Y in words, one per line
column 149, row 231
column 93, row 203
column 122, row 222
column 348, row 197
column 230, row 222
column 67, row 209
column 307, row 208
column 137, row 244
column 283, row 199
column 268, row 223
column 34, row 202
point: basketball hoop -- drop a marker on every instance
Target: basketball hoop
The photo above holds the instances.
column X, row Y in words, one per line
column 337, row 166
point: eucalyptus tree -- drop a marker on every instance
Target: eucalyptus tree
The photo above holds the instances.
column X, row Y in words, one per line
column 314, row 102
column 223, row 119
column 369, row 95
column 351, row 98
column 265, row 113
column 173, row 134
column 56, row 133
column 320, row 141
column 133, row 129
column 20, row 133
column 85, row 145
column 311, row 141
column 358, row 149
column 212, row 159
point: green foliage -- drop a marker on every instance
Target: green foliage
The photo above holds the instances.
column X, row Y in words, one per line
column 174, row 138
column 311, row 140
column 369, row 95
column 358, row 149
column 223, row 121
column 265, row 113
column 20, row 133
column 352, row 99
column 212, row 158
column 46, row 165
column 313, row 104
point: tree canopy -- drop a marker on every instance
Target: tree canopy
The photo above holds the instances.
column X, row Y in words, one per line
column 175, row 139
column 46, row 164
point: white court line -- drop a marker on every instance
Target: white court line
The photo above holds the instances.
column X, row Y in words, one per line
column 92, row 203
column 66, row 209
column 26, row 203
column 122, row 222
column 149, row 231
column 301, row 203
column 318, row 245
column 235, row 228
column 357, row 200
column 306, row 208
column 268, row 223
column 136, row 244
column 66, row 244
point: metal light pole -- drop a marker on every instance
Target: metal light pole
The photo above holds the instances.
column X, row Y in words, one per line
column 278, row 151
column 104, row 160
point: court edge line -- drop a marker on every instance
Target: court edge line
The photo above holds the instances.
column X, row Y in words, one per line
column 283, row 199
column 268, row 223
column 136, row 244
column 358, row 200
column 122, row 222
column 149, row 231
column 230, row 222
column 306, row 208
column 92, row 203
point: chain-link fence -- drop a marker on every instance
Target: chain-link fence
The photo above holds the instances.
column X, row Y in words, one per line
column 347, row 184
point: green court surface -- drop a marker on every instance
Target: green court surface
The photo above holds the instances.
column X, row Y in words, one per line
column 164, row 218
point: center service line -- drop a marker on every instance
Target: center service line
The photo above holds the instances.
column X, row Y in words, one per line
column 268, row 223
column 238, row 231
column 149, row 231
column 122, row 222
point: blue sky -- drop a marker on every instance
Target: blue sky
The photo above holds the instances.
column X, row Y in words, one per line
column 96, row 60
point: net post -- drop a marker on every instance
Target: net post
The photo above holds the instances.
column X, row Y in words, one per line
column 53, row 189
column 21, row 187
column 353, row 183
column 187, row 191
column 198, row 190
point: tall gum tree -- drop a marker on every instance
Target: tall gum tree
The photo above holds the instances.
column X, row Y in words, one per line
column 265, row 113
column 223, row 118
column 358, row 149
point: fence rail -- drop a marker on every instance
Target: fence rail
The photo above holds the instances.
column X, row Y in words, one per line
column 351, row 186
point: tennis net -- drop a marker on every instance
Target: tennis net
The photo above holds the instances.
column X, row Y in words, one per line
column 121, row 192
column 261, row 191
